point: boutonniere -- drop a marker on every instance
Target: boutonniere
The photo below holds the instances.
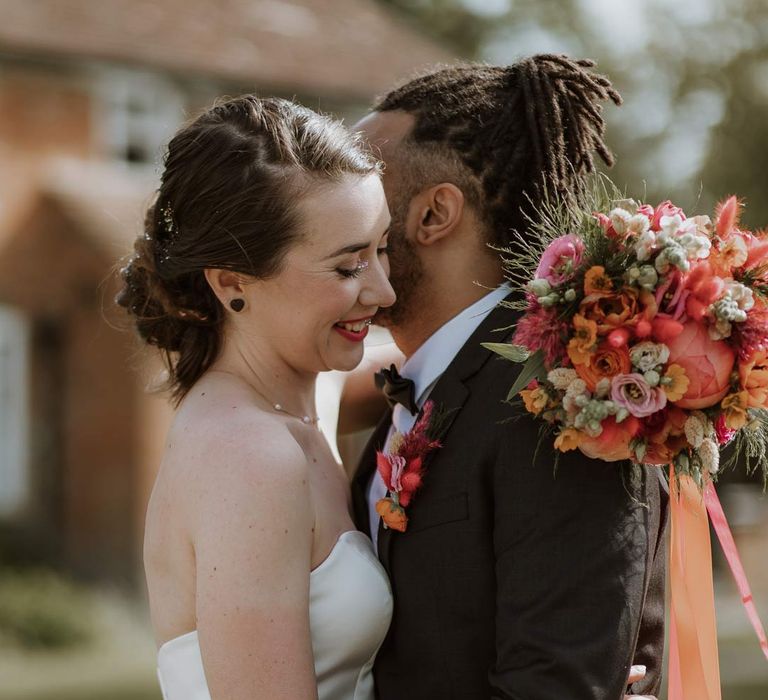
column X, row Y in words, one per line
column 402, row 467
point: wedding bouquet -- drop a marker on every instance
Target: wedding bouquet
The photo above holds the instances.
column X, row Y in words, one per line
column 644, row 333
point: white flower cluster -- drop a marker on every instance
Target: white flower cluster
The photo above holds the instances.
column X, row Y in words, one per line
column 648, row 358
column 542, row 290
column 679, row 241
column 583, row 409
column 626, row 223
column 730, row 308
column 644, row 276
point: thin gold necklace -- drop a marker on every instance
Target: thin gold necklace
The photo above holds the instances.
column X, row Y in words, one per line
column 306, row 419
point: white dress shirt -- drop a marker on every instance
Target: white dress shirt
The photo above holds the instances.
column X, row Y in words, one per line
column 424, row 368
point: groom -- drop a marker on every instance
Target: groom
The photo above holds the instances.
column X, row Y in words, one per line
column 512, row 580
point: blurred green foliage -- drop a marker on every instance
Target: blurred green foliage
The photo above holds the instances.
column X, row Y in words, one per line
column 42, row 610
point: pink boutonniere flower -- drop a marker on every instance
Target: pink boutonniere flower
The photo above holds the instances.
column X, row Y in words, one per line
column 402, row 468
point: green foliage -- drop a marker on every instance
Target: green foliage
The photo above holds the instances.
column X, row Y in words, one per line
column 694, row 82
column 534, row 368
column 39, row 609
column 513, row 353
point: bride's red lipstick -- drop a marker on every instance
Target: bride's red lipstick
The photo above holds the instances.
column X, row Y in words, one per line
column 353, row 336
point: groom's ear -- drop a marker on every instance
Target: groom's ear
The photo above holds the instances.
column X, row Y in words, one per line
column 440, row 209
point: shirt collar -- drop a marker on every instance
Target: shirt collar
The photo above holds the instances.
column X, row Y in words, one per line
column 426, row 365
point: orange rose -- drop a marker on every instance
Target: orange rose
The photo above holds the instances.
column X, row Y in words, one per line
column 581, row 346
column 394, row 516
column 614, row 310
column 754, row 379
column 707, row 364
column 607, row 361
column 612, row 444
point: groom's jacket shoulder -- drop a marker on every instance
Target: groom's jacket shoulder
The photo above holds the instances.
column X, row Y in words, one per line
column 516, row 579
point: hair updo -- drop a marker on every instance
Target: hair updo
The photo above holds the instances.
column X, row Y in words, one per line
column 226, row 201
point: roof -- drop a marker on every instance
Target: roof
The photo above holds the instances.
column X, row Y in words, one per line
column 345, row 48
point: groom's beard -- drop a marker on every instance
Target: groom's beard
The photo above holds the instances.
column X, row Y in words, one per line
column 405, row 276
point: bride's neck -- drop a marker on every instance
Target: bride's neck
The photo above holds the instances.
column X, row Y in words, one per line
column 269, row 375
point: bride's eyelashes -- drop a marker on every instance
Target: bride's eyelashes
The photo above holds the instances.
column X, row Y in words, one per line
column 356, row 271
column 362, row 266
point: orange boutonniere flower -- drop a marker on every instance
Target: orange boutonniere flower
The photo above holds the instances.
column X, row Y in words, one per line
column 582, row 345
column 596, row 281
column 402, row 468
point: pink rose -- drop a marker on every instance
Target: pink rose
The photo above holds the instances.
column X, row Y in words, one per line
column 560, row 259
column 632, row 392
column 707, row 363
column 666, row 208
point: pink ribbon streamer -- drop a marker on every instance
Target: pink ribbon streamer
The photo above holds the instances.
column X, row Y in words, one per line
column 720, row 524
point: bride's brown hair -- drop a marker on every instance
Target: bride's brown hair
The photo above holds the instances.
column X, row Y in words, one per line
column 227, row 201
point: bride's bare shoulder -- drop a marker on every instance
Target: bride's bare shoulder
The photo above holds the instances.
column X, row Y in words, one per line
column 224, row 437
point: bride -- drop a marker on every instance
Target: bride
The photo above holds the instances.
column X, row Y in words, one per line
column 262, row 263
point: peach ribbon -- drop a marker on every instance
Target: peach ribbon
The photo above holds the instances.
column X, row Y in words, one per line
column 694, row 670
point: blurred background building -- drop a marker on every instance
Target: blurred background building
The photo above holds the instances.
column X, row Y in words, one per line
column 91, row 90
column 89, row 94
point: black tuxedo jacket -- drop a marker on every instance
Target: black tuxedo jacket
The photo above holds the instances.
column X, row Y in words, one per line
column 514, row 581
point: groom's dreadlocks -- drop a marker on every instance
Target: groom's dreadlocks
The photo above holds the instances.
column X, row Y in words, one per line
column 522, row 132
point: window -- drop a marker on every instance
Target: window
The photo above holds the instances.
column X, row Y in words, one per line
column 14, row 411
column 137, row 115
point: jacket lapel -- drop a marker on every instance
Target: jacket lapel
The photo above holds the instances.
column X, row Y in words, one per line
column 451, row 393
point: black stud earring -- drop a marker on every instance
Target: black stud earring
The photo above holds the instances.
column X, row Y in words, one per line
column 237, row 304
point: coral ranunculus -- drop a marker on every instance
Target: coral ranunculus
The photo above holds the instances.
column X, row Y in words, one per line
column 707, row 363
column 612, row 310
column 612, row 445
column 606, row 361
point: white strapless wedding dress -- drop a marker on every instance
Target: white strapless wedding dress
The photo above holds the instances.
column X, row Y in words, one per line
column 350, row 607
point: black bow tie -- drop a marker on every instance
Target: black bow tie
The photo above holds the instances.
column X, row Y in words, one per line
column 397, row 389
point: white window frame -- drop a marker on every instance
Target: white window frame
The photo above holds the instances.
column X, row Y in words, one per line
column 138, row 108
